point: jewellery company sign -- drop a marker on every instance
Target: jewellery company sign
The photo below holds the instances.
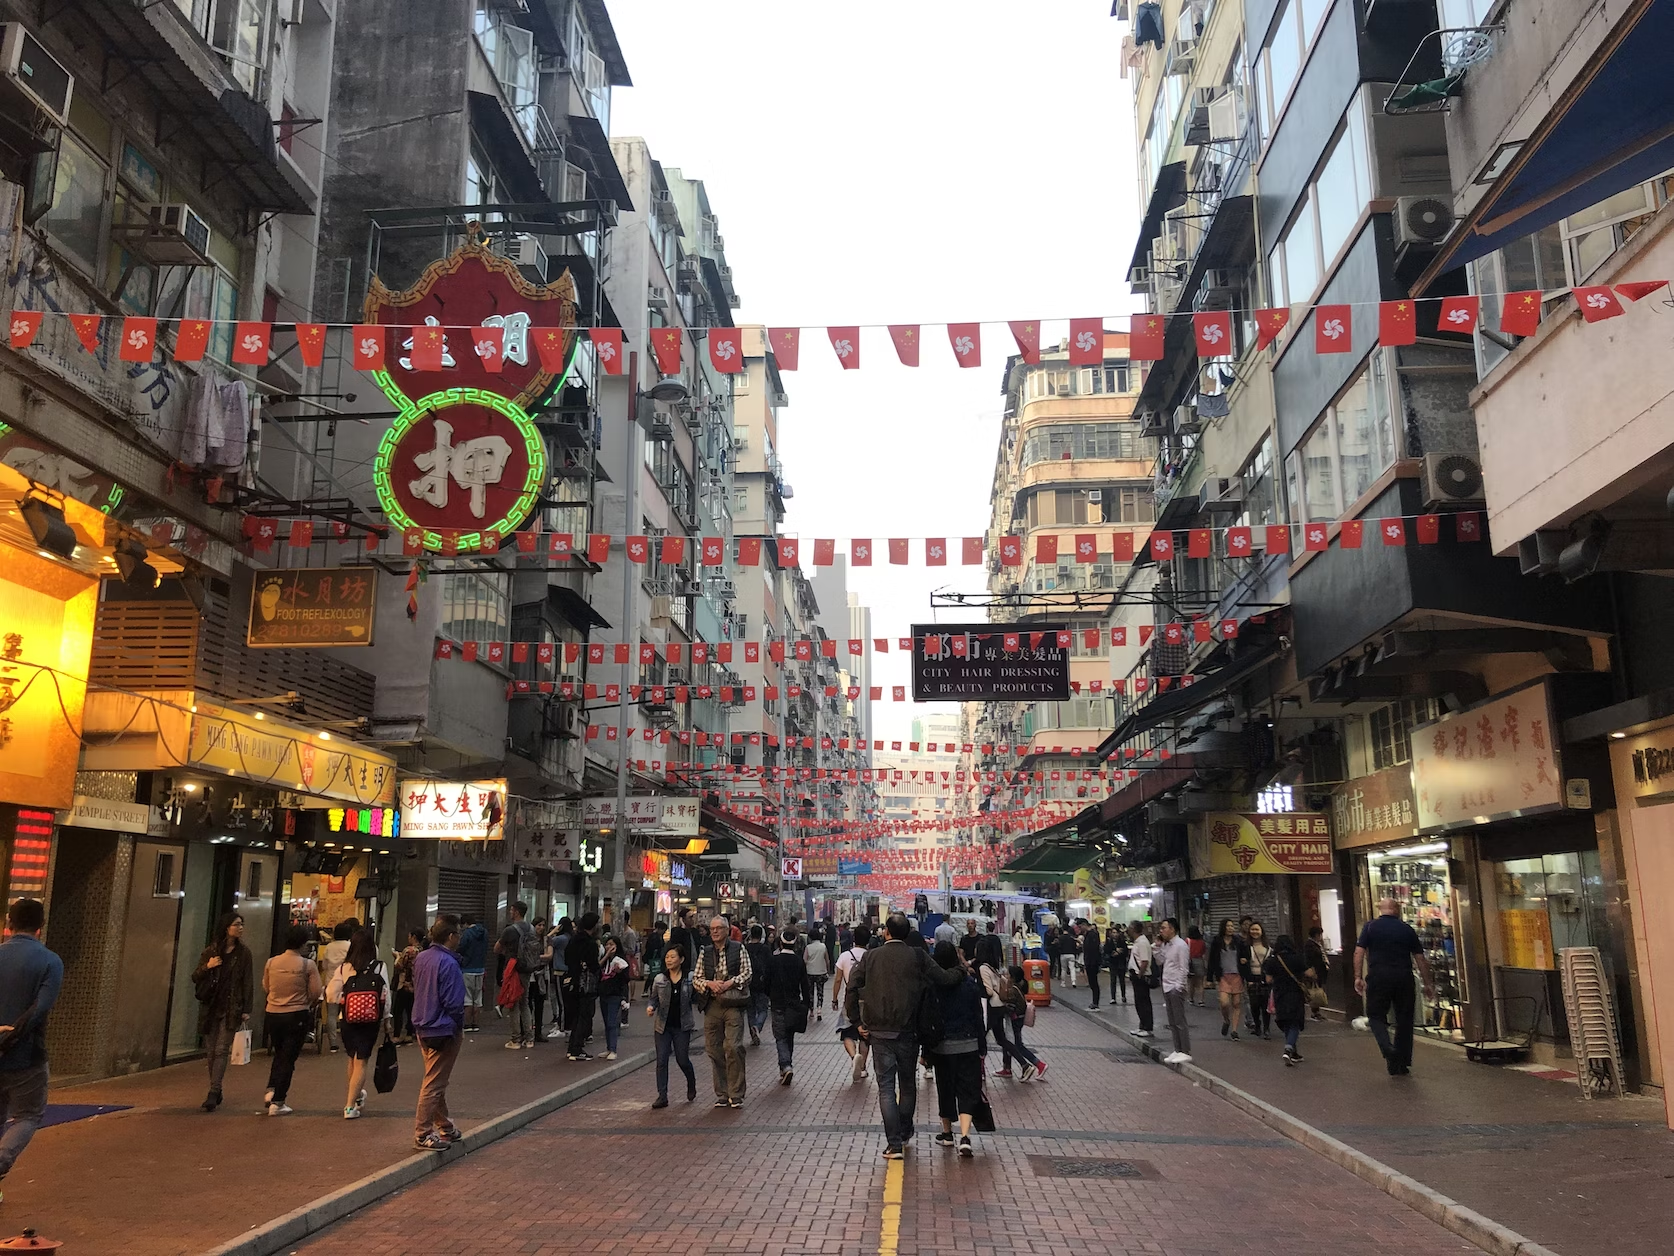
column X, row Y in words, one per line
column 474, row 347
column 992, row 662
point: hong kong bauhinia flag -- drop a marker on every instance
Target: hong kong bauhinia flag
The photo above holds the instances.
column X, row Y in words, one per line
column 726, row 349
column 368, row 341
column 1333, row 329
column 1086, row 341
column 607, row 347
column 1213, row 332
column 966, row 339
column 1459, row 314
column 845, row 343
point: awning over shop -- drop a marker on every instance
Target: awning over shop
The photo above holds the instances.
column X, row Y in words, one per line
column 574, row 608
column 1183, row 701
column 1168, row 194
column 1050, row 862
column 1611, row 129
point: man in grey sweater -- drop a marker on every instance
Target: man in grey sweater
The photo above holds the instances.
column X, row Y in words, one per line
column 884, row 992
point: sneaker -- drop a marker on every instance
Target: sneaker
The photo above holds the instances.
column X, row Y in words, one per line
column 334, row 1050
column 351, row 1114
column 516, row 1044
column 660, row 1103
column 553, row 1034
column 610, row 1055
column 1005, row 1072
column 893, row 1153
column 819, row 1016
column 1296, row 1056
column 1028, row 1074
column 453, row 1134
column 583, row 1057
column 1290, row 1060
column 723, row 1103
column 785, row 1078
column 966, row 1151
column 360, row 1100
column 1235, row 1035
column 1143, row 1033
column 471, row 1029
column 1177, row 1057
column 432, row 1141
column 735, row 1103
column 944, row 1139
column 1040, row 1069
column 278, row 1109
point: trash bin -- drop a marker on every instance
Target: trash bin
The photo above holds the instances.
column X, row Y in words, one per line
column 1037, row 977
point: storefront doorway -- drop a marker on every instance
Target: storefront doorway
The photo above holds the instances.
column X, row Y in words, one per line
column 1417, row 877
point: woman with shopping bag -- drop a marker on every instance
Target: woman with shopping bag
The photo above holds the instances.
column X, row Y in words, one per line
column 224, row 979
column 360, row 988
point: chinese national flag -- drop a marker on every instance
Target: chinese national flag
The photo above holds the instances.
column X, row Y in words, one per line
column 1200, row 630
column 1027, row 335
column 310, row 343
column 1397, row 324
column 607, row 347
column 1639, row 289
column 1394, row 531
column 1428, row 529
column 1198, row 543
column 972, row 556
column 1086, row 341
column 302, row 533
column 1011, row 551
column 25, row 325
column 726, row 349
column 1349, row 535
column 786, row 343
column 1269, row 323
column 1162, row 546
column 966, row 339
column 1145, row 337
column 825, row 552
column 191, row 339
column 880, row 645
column 86, row 327
column 251, row 340
column 1214, row 334
column 1315, row 536
column 489, row 344
column 1121, row 547
column 860, row 551
column 790, row 551
column 1596, row 303
column 674, row 550
column 898, row 551
column 935, row 551
column 666, row 344
column 906, row 339
column 368, row 346
column 427, row 348
column 598, row 547
column 549, row 346
column 1086, row 547
column 1459, row 314
column 1046, row 548
column 749, row 551
column 1333, row 329
column 1239, row 543
column 1520, row 313
column 139, row 338
column 845, row 343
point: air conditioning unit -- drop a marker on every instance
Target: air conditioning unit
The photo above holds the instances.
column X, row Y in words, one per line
column 565, row 719
column 690, row 271
column 35, row 72
column 656, row 297
column 167, row 235
column 725, row 589
column 530, row 256
column 720, row 244
column 569, row 678
column 1223, row 116
column 1221, row 285
column 662, row 607
column 781, row 399
column 1424, row 221
column 1182, row 57
column 1222, row 494
column 1095, row 495
column 1451, row 479
column 661, row 429
column 740, row 442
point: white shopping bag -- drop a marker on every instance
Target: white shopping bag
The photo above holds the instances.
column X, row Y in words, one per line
column 240, row 1048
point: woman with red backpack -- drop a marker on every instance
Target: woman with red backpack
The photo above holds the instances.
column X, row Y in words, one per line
column 361, row 991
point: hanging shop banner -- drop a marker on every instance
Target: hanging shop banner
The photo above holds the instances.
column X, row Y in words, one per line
column 1294, row 842
column 652, row 815
column 820, row 869
column 1492, row 761
column 463, row 461
column 313, row 606
column 853, row 868
column 286, row 756
column 991, row 662
column 1370, row 810
column 46, row 636
column 454, row 811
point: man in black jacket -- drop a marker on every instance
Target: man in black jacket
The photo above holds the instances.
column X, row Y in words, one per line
column 1092, row 957
column 884, row 992
column 790, row 993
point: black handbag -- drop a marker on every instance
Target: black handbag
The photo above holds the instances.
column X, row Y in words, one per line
column 387, row 1069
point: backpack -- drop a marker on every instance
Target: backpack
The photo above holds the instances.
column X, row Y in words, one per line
column 528, row 949
column 363, row 997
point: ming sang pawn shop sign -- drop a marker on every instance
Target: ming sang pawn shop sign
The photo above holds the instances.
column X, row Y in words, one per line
column 992, row 662
column 473, row 349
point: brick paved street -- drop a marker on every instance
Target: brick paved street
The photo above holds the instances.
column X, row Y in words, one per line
column 166, row 1178
column 799, row 1171
column 1573, row 1174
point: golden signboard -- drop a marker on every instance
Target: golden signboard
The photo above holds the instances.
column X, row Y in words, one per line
column 286, row 756
column 46, row 635
column 313, row 606
column 1526, row 937
column 1289, row 842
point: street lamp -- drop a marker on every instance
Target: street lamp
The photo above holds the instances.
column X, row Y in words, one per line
column 669, row 390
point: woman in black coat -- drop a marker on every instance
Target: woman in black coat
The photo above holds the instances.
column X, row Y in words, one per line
column 1287, row 974
column 958, row 1056
column 1229, row 966
column 224, row 980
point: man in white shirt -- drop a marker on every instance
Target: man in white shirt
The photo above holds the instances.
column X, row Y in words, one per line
column 1175, row 958
column 1139, row 964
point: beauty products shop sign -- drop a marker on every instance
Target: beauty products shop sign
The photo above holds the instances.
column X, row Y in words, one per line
column 1293, row 842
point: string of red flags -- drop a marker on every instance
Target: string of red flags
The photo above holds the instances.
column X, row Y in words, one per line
column 139, row 338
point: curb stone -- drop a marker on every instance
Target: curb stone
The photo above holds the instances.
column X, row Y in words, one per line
column 1450, row 1214
column 279, row 1233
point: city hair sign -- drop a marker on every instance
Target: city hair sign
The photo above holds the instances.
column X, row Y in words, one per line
column 991, row 662
column 463, row 462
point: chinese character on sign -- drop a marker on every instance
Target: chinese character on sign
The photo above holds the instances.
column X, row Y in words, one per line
column 474, row 464
column 11, row 652
column 1485, row 737
column 1509, row 731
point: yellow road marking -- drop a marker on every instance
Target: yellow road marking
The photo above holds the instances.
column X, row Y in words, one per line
column 889, row 1237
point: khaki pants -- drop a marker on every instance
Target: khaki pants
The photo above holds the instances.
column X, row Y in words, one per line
column 439, row 1057
column 723, row 1041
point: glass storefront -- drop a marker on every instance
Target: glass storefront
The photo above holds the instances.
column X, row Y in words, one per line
column 1548, row 903
column 1416, row 877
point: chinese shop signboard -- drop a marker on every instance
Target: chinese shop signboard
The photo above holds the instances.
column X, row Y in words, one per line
column 46, row 634
column 272, row 752
column 321, row 606
column 1291, row 842
column 653, row 815
column 1493, row 761
column 1373, row 809
column 990, row 662
column 463, row 461
column 454, row 811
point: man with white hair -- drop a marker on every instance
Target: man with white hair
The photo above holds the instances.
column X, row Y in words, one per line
column 1383, row 959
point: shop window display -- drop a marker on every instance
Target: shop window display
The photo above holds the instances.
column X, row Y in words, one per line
column 1416, row 877
column 1547, row 904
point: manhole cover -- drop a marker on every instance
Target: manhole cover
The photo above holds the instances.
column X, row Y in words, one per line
column 1120, row 1056
column 1069, row 1167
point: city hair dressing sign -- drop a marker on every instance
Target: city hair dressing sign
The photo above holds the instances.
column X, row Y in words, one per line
column 991, row 662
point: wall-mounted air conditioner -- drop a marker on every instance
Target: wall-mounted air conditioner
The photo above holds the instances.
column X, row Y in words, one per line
column 166, row 235
column 1424, row 221
column 35, row 73
column 1451, row 479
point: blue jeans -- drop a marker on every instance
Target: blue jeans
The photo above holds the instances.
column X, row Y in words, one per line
column 760, row 1008
column 23, row 1097
column 1026, row 1054
column 678, row 1043
column 1292, row 1034
column 611, row 1006
column 895, row 1061
column 784, row 1039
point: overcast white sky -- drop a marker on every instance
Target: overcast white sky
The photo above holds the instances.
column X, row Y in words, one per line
column 909, row 161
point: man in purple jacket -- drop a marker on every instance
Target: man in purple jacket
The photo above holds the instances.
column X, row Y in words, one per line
column 438, row 1022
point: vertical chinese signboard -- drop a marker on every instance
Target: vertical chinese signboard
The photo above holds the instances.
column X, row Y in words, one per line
column 1493, row 761
column 463, row 462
